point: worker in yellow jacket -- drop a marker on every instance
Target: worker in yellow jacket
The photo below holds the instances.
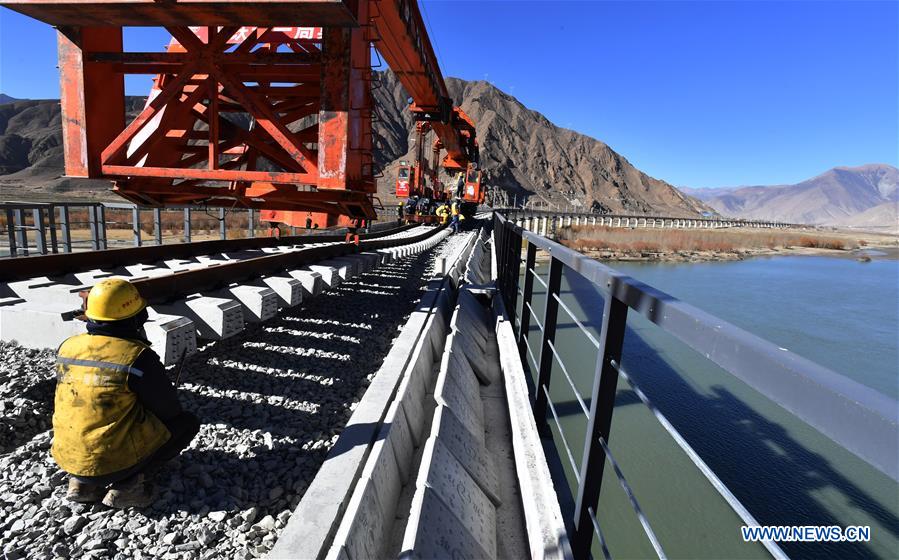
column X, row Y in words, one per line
column 117, row 418
column 457, row 216
column 443, row 212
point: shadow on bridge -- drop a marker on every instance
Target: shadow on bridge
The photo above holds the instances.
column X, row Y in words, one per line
column 777, row 478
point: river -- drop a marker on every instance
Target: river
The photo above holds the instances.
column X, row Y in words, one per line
column 839, row 313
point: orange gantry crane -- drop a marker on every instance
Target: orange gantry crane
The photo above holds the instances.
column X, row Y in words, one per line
column 263, row 104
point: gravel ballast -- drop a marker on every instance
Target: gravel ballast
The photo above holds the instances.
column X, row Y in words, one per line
column 272, row 400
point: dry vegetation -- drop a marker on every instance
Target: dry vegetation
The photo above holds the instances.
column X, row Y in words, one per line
column 638, row 241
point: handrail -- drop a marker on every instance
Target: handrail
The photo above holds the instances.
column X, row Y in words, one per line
column 854, row 416
column 526, row 212
column 857, row 417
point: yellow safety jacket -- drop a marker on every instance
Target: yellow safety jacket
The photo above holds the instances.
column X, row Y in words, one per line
column 443, row 212
column 99, row 427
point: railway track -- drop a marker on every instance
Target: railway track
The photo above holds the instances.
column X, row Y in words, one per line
column 211, row 288
column 272, row 397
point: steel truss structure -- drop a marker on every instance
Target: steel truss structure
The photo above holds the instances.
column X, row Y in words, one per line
column 262, row 105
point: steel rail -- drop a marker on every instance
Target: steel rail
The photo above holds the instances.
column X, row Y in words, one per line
column 66, row 263
column 171, row 286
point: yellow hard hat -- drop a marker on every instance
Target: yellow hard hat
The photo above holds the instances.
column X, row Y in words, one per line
column 114, row 299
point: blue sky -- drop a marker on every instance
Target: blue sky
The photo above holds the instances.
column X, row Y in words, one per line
column 700, row 94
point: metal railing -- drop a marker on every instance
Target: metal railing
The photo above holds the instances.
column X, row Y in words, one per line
column 854, row 416
column 576, row 217
column 47, row 228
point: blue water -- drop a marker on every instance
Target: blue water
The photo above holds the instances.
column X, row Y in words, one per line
column 839, row 313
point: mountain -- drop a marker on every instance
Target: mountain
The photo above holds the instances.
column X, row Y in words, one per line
column 840, row 196
column 526, row 155
column 7, row 99
column 523, row 153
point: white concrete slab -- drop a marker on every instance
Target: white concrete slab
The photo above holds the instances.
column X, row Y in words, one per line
column 433, row 532
column 40, row 324
column 461, row 494
column 400, row 437
column 346, row 269
column 475, row 355
column 289, row 290
column 258, row 303
column 364, row 539
column 449, row 394
column 470, row 452
column 329, row 274
column 312, row 282
column 215, row 318
column 458, row 373
column 170, row 336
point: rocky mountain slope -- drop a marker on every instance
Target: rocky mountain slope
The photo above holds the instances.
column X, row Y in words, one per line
column 528, row 156
column 523, row 153
column 864, row 195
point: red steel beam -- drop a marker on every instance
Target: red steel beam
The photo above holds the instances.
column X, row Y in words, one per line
column 262, row 13
column 92, row 97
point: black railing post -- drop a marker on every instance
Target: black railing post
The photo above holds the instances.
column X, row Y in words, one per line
column 526, row 296
column 101, row 226
column 11, row 232
column 157, row 225
column 549, row 335
column 135, row 225
column 514, row 272
column 92, row 224
column 500, row 252
column 506, row 263
column 40, row 237
column 187, row 225
column 64, row 228
column 51, row 228
column 21, row 232
column 602, row 404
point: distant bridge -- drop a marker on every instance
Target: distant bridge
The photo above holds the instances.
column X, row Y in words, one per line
column 543, row 222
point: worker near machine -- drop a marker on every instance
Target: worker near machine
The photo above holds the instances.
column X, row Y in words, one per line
column 411, row 204
column 443, row 211
column 459, row 183
column 423, row 208
column 117, row 418
column 457, row 217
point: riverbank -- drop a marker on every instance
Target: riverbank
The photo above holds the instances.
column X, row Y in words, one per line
column 733, row 244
